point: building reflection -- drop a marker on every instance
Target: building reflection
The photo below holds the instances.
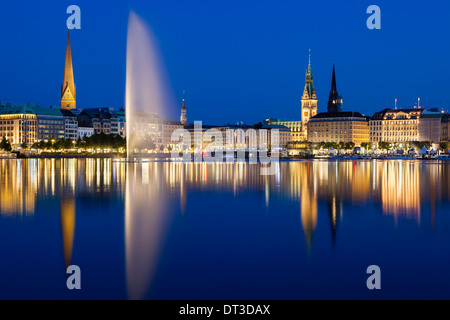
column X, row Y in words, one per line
column 17, row 188
column 400, row 188
column 67, row 226
column 321, row 189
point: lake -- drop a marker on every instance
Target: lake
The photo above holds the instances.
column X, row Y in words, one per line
column 164, row 230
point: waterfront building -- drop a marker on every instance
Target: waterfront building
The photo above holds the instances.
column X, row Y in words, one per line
column 430, row 125
column 68, row 89
column 284, row 133
column 295, row 128
column 102, row 120
column 395, row 125
column 50, row 124
column 152, row 132
column 240, row 137
column 85, row 132
column 18, row 124
column 445, row 128
column 70, row 125
column 118, row 124
column 168, row 127
column 30, row 123
column 338, row 127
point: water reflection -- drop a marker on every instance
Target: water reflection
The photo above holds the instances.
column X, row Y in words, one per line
column 152, row 193
column 146, row 217
column 67, row 226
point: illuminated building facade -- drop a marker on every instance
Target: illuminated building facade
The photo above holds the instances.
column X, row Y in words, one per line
column 70, row 125
column 18, row 124
column 339, row 127
column 294, row 126
column 85, row 132
column 26, row 123
column 168, row 127
column 395, row 125
column 239, row 137
column 50, row 124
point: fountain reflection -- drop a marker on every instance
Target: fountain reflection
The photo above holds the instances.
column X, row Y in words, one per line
column 146, row 216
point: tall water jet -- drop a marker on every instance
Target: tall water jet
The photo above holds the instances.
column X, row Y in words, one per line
column 147, row 94
column 147, row 103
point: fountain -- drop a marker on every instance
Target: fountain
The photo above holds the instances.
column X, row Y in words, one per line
column 147, row 102
column 147, row 95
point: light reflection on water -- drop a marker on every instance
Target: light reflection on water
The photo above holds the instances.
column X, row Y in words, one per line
column 154, row 193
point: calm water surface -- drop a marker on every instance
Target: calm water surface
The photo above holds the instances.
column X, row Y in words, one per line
column 222, row 231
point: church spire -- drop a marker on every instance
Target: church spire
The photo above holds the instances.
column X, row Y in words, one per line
column 309, row 63
column 68, row 93
column 333, row 81
column 183, row 117
column 334, row 101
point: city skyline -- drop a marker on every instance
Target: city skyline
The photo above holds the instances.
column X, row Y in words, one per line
column 256, row 90
column 223, row 152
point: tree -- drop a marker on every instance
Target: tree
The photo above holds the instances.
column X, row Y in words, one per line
column 421, row 144
column 443, row 146
column 349, row 145
column 42, row 144
column 367, row 145
column 5, row 145
column 79, row 143
column 384, row 145
column 24, row 145
column 67, row 144
column 49, row 144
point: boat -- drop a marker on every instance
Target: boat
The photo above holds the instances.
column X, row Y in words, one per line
column 8, row 155
column 443, row 157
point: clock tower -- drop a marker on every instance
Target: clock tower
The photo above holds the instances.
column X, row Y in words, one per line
column 309, row 100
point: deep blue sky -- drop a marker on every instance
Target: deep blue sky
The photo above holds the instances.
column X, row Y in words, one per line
column 237, row 60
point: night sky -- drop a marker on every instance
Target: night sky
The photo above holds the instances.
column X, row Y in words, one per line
column 237, row 60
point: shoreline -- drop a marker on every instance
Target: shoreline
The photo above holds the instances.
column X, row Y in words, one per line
column 166, row 156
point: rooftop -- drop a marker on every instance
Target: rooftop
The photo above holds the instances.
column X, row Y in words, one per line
column 344, row 114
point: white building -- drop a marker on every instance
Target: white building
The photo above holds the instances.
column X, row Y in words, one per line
column 85, row 132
